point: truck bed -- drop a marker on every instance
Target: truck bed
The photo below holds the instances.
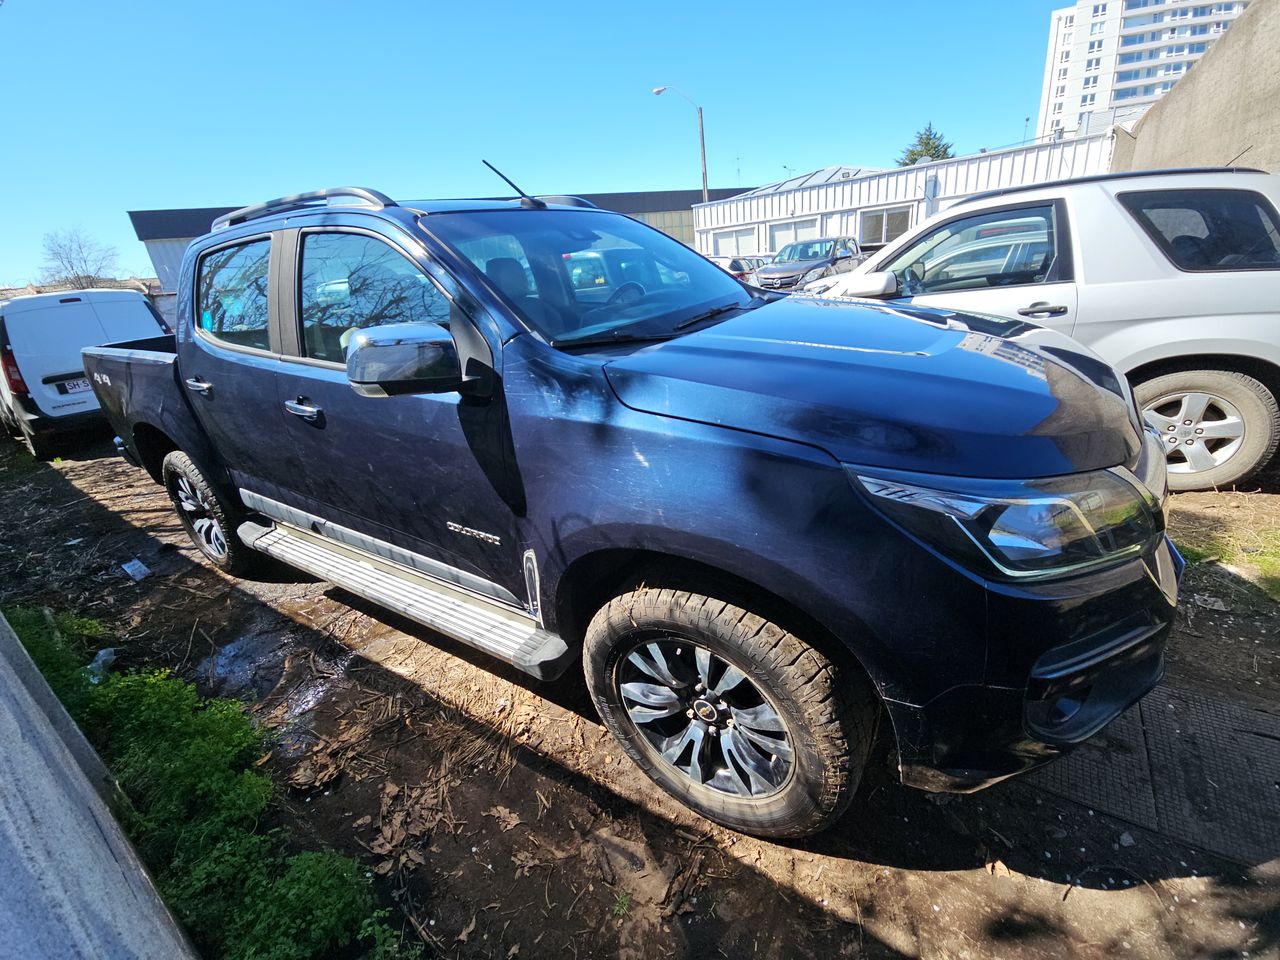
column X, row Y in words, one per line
column 137, row 383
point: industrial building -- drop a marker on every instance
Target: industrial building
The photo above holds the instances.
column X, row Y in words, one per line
column 876, row 206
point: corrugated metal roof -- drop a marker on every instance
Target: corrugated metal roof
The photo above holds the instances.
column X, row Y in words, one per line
column 814, row 179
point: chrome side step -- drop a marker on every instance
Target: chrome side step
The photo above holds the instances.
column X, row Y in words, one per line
column 502, row 632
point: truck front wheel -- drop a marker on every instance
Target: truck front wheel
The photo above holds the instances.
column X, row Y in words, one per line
column 728, row 712
column 210, row 522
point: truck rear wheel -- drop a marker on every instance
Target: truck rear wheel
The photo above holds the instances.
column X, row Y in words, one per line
column 1218, row 426
column 209, row 520
column 728, row 712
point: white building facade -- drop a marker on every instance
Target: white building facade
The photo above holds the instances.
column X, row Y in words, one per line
column 1108, row 62
column 877, row 206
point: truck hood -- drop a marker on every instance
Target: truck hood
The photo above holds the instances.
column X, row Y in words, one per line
column 905, row 388
column 790, row 268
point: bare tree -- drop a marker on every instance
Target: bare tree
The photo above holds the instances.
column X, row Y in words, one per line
column 71, row 257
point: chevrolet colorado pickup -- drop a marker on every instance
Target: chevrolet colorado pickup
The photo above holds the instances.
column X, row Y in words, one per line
column 766, row 533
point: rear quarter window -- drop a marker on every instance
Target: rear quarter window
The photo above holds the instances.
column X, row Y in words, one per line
column 1209, row 230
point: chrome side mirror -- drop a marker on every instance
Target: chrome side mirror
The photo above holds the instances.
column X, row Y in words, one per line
column 403, row 358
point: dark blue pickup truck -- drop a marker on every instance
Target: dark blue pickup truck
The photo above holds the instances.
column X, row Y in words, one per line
column 769, row 527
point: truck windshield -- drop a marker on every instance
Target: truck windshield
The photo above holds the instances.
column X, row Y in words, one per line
column 584, row 275
column 808, row 250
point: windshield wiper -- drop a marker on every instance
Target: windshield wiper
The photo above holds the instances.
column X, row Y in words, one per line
column 716, row 311
column 603, row 339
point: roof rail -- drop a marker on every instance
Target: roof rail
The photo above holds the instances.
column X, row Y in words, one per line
column 1101, row 178
column 302, row 201
column 568, row 201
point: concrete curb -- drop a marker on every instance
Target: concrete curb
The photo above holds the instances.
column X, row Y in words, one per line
column 74, row 886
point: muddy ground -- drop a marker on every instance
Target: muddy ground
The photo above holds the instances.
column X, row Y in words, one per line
column 496, row 813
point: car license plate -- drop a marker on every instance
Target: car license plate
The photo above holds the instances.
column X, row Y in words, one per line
column 75, row 386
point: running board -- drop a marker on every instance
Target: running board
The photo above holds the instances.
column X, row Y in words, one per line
column 499, row 631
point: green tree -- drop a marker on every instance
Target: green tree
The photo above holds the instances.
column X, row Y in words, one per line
column 928, row 145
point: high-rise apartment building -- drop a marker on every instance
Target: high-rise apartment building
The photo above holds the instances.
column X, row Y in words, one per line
column 1108, row 62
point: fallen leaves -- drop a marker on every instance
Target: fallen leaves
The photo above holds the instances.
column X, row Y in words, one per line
column 507, row 819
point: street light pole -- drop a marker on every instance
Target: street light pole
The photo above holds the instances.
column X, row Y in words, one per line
column 702, row 139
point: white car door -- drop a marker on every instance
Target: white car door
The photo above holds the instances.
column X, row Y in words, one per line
column 1013, row 262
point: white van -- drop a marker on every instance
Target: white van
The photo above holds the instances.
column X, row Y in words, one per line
column 44, row 390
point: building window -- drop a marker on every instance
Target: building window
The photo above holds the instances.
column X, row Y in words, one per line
column 878, row 227
column 1057, row 107
column 1068, row 20
column 1061, row 91
column 1093, row 63
column 780, row 234
column 1062, row 74
column 1066, row 39
column 1095, row 46
column 1088, row 99
column 1066, row 55
column 1056, row 125
column 1089, row 82
column 1096, row 28
column 1099, row 9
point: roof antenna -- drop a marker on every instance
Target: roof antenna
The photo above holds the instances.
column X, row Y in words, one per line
column 525, row 200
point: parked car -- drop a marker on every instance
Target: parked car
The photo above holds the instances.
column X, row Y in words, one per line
column 1172, row 277
column 808, row 260
column 44, row 393
column 766, row 527
column 739, row 267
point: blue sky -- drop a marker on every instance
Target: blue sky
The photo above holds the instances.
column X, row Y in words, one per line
column 110, row 107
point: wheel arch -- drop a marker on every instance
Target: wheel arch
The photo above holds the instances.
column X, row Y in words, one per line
column 593, row 578
column 152, row 445
column 1264, row 371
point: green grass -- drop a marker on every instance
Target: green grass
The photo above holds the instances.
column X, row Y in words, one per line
column 1257, row 555
column 185, row 764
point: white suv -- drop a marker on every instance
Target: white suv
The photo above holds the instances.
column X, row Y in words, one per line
column 1172, row 277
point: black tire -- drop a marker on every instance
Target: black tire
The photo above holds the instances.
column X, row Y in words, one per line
column 829, row 715
column 210, row 521
column 1255, row 405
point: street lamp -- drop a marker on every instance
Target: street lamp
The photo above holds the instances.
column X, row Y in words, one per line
column 702, row 140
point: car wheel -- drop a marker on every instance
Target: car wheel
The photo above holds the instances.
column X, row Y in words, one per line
column 728, row 712
column 1217, row 426
column 209, row 520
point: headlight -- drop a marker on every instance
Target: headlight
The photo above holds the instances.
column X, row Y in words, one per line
column 1029, row 528
column 814, row 274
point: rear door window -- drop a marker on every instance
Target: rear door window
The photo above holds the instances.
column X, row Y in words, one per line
column 231, row 299
column 1209, row 230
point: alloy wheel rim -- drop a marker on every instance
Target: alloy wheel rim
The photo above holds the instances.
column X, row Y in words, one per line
column 197, row 510
column 1199, row 431
column 705, row 718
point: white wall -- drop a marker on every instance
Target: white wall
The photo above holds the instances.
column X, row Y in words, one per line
column 924, row 189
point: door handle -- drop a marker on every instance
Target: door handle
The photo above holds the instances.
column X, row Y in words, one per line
column 1042, row 309
column 198, row 385
column 300, row 408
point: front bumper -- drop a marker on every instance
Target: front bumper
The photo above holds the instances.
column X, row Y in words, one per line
column 1108, row 652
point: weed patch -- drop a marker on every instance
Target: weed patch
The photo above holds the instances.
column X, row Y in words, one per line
column 186, row 765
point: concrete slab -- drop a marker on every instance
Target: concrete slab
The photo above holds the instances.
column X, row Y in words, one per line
column 1195, row 768
column 74, row 886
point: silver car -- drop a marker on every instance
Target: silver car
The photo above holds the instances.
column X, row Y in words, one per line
column 1172, row 277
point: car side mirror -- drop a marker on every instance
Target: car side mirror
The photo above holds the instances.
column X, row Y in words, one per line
column 877, row 284
column 402, row 358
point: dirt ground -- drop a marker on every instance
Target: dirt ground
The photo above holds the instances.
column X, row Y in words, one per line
column 496, row 813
